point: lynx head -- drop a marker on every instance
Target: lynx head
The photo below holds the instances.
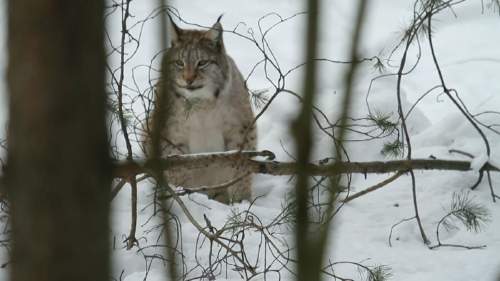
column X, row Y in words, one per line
column 197, row 61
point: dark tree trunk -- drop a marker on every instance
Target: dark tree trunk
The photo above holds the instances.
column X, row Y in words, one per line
column 58, row 170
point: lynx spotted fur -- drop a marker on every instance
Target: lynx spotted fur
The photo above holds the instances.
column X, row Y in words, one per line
column 208, row 110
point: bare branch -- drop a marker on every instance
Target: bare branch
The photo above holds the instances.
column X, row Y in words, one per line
column 374, row 187
column 125, row 169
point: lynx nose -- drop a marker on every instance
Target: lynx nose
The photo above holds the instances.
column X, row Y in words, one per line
column 189, row 77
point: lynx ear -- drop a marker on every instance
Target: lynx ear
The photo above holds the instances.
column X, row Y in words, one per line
column 173, row 32
column 215, row 33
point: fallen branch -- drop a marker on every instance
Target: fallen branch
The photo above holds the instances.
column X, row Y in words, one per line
column 125, row 169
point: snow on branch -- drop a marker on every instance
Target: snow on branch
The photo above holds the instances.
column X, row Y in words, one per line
column 244, row 160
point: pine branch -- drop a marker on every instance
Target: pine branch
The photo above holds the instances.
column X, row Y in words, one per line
column 463, row 210
column 380, row 273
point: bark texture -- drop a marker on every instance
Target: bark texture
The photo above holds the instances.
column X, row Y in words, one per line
column 58, row 172
column 126, row 169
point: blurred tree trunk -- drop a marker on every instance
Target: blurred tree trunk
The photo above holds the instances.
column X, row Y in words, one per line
column 309, row 258
column 58, row 170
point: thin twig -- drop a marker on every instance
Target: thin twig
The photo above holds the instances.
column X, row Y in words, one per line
column 462, row 110
column 202, row 230
column 394, row 226
column 211, row 187
column 446, row 89
column 374, row 187
column 411, row 35
column 122, row 183
column 131, row 240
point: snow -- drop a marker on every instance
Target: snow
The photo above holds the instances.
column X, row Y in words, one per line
column 467, row 47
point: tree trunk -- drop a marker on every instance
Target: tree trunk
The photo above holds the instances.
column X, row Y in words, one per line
column 58, row 170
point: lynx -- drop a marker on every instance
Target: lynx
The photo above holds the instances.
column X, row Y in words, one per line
column 208, row 109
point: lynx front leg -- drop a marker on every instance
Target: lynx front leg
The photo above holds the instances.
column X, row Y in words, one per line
column 241, row 137
column 176, row 176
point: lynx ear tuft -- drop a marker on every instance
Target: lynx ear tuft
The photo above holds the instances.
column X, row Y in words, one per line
column 173, row 32
column 215, row 33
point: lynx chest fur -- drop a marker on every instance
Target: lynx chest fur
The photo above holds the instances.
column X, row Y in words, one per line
column 208, row 110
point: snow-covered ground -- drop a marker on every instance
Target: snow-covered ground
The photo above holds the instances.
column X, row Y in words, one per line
column 467, row 43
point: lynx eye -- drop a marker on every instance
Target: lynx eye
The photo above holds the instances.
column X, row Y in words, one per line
column 203, row 63
column 179, row 63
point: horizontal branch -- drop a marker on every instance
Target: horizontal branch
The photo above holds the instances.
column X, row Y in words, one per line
column 244, row 160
